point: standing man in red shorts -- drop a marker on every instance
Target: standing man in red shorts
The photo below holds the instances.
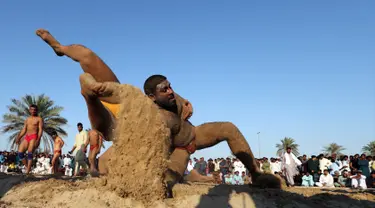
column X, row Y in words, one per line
column 33, row 128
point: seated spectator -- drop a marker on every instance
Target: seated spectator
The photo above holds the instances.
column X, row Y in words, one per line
column 237, row 179
column 359, row 180
column 228, row 179
column 307, row 180
column 245, row 178
column 316, row 176
column 325, row 180
column 343, row 180
column 370, row 181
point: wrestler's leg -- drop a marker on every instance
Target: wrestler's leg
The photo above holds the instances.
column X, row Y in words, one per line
column 100, row 117
column 54, row 162
column 30, row 151
column 210, row 134
column 89, row 61
column 176, row 167
column 194, row 176
column 21, row 152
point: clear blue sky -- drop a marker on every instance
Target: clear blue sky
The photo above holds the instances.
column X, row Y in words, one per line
column 302, row 69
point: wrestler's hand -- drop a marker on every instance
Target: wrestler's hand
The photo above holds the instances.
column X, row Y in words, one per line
column 18, row 141
column 37, row 143
column 187, row 110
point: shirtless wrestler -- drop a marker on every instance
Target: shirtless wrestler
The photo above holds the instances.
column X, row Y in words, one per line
column 57, row 147
column 186, row 137
column 95, row 140
column 33, row 128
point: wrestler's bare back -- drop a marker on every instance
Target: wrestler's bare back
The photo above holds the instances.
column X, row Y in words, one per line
column 95, row 138
column 58, row 144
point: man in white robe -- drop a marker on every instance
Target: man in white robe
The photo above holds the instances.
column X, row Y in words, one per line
column 359, row 180
column 290, row 166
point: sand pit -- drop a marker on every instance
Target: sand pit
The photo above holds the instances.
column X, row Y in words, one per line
column 90, row 193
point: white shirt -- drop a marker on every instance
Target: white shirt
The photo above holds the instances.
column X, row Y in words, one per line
column 190, row 167
column 81, row 139
column 359, row 182
column 324, row 164
column 67, row 161
column 328, row 179
column 238, row 166
column 275, row 167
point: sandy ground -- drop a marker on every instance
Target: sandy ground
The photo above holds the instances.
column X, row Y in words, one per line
column 18, row 191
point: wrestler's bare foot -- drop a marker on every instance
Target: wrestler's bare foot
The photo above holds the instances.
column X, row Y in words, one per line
column 105, row 91
column 89, row 86
column 268, row 181
column 50, row 40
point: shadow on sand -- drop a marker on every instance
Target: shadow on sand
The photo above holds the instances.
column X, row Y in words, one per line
column 8, row 181
column 247, row 197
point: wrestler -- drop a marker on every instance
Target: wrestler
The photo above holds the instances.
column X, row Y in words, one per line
column 186, row 138
column 57, row 146
column 33, row 128
column 95, row 140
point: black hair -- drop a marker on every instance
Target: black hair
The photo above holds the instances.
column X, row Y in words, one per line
column 149, row 86
column 53, row 133
column 33, row 106
column 79, row 124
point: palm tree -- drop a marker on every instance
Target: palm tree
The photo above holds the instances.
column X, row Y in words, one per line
column 369, row 148
column 333, row 148
column 285, row 143
column 19, row 111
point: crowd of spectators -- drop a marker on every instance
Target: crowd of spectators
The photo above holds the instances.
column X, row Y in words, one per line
column 10, row 163
column 355, row 171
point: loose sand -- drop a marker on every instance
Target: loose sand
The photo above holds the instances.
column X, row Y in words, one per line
column 64, row 192
column 141, row 146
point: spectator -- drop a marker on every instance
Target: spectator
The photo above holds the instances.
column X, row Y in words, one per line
column 237, row 179
column 359, row 180
column 307, row 180
column 370, row 181
column 325, row 180
column 211, row 166
column 224, row 169
column 354, row 163
column 313, row 165
column 343, row 180
column 363, row 165
column 324, row 163
column 290, row 163
column 266, row 167
column 245, row 178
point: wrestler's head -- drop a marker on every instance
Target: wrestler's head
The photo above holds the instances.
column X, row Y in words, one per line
column 159, row 89
column 33, row 109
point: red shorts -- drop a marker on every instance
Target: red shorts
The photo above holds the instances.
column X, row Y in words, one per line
column 30, row 137
column 93, row 147
column 190, row 148
column 57, row 152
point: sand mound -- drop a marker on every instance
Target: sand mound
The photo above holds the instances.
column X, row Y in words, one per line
column 59, row 193
column 140, row 145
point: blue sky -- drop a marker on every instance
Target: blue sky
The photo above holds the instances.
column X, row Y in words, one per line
column 302, row 69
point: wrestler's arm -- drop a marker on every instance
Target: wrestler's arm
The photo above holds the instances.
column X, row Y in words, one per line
column 22, row 133
column 184, row 107
column 40, row 131
column 62, row 142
